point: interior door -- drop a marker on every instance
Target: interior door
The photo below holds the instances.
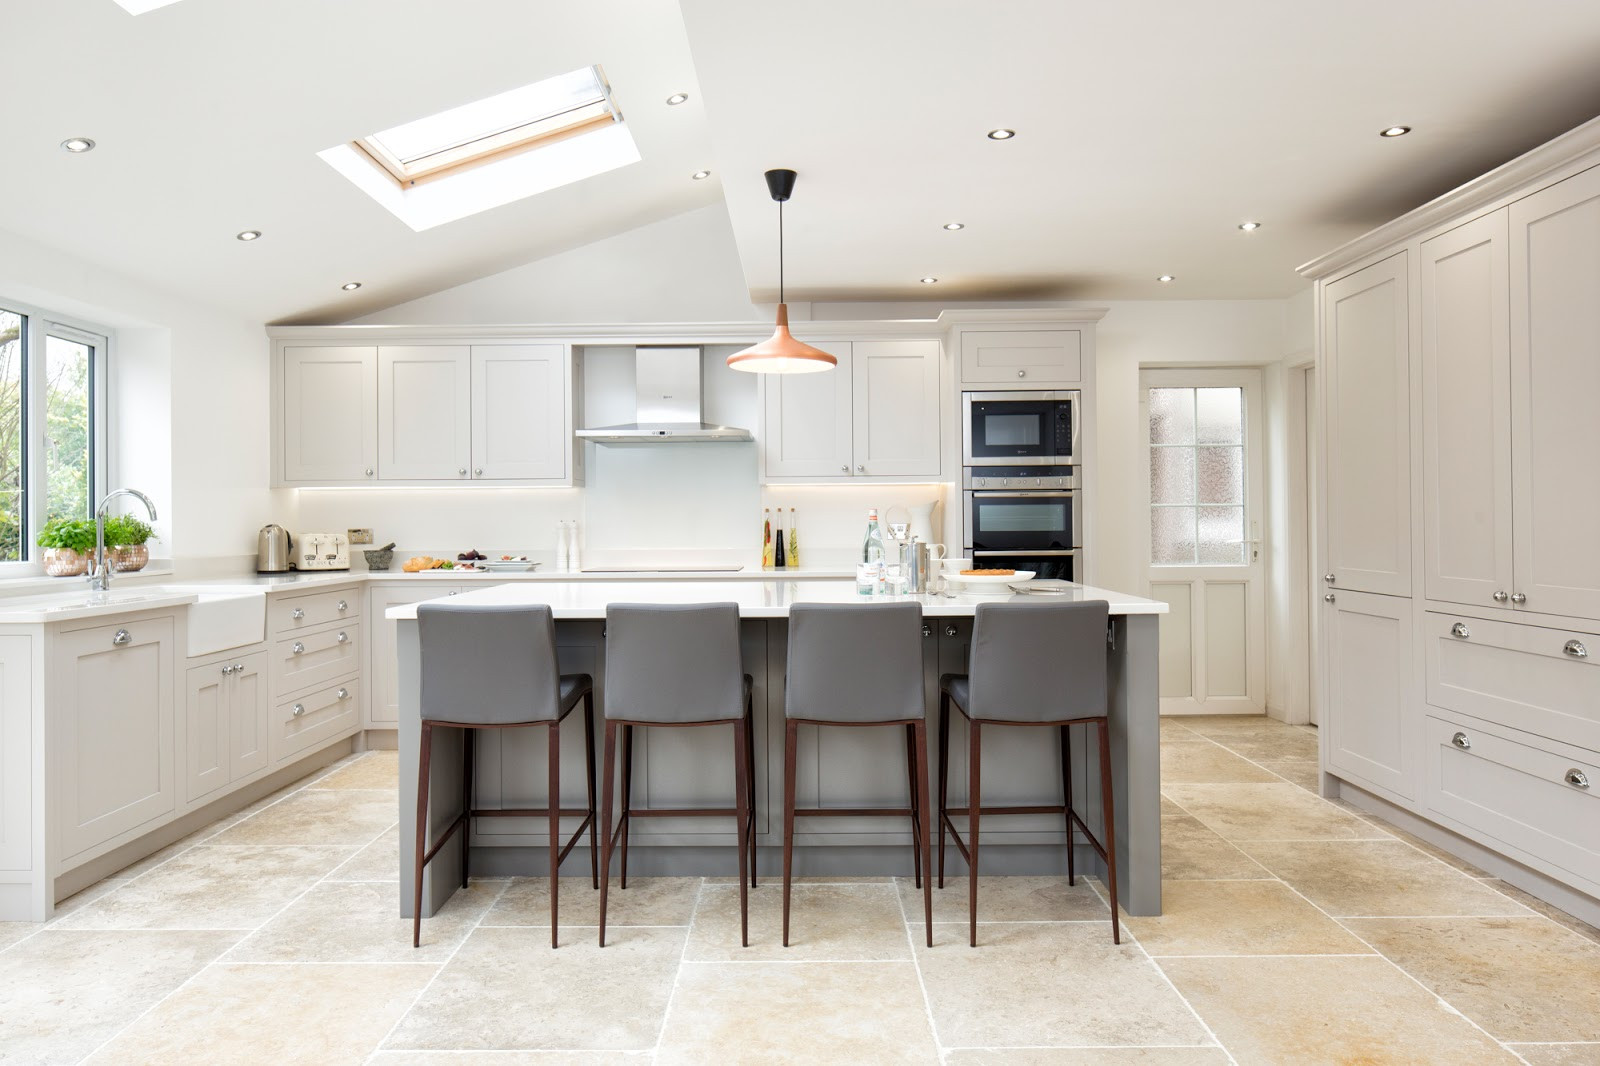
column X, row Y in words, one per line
column 1205, row 559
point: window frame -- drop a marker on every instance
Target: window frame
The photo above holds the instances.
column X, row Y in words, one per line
column 40, row 323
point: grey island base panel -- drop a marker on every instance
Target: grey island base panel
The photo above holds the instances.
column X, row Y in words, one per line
column 841, row 767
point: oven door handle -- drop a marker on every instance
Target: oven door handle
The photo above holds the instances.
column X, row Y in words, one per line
column 989, row 494
column 1052, row 554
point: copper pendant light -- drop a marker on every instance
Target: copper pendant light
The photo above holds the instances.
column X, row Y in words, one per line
column 781, row 353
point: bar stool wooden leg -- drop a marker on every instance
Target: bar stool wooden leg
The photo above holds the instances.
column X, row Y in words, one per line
column 424, row 757
column 1066, row 790
column 1110, row 813
column 916, row 821
column 606, row 792
column 469, row 752
column 588, row 758
column 750, row 781
column 627, row 797
column 554, row 734
column 920, row 736
column 742, row 803
column 944, row 776
column 790, row 742
column 973, row 802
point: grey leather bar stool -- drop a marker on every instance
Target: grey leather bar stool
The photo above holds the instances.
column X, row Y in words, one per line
column 1032, row 664
column 677, row 665
column 495, row 668
column 858, row 665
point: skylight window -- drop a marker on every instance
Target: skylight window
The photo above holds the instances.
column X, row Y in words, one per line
column 139, row 7
column 491, row 152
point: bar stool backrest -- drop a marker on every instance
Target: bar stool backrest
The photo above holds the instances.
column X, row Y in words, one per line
column 488, row 665
column 673, row 663
column 855, row 662
column 1038, row 662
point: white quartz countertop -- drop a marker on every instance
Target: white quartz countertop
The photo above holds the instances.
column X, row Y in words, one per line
column 756, row 598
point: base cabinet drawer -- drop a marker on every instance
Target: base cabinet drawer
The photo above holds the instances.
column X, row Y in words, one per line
column 315, row 718
column 1541, row 681
column 1538, row 806
column 312, row 659
column 291, row 614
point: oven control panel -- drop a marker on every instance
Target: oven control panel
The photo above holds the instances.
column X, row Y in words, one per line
column 1019, row 477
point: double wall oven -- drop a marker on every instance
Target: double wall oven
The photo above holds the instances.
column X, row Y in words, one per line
column 1020, row 486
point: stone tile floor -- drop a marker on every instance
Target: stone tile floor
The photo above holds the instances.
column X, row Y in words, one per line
column 1295, row 931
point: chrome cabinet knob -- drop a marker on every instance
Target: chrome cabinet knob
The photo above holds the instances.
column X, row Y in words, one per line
column 1328, row 578
column 121, row 637
column 226, row 670
column 950, row 630
column 1022, row 373
column 1460, row 740
column 238, row 668
column 298, row 709
column 1518, row 598
column 344, row 638
column 1460, row 630
column 477, row 471
column 462, row 471
column 1575, row 649
column 343, row 694
column 369, row 471
column 860, row 469
column 343, row 605
column 1501, row 597
column 845, row 469
column 1328, row 598
column 297, row 648
column 1577, row 778
column 298, row 613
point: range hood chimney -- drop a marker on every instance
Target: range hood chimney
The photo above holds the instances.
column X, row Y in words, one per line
column 666, row 403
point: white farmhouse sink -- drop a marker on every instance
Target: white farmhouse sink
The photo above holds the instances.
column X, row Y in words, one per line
column 224, row 616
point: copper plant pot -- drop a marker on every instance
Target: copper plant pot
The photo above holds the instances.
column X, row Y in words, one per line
column 64, row 562
column 127, row 558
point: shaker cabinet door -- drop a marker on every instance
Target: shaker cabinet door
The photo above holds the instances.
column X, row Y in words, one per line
column 1371, row 717
column 205, row 732
column 424, row 413
column 1367, row 405
column 330, row 414
column 1466, row 415
column 896, row 408
column 1555, row 377
column 521, row 424
column 807, row 427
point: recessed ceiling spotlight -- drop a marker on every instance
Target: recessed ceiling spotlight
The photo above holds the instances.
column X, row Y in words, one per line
column 248, row 235
column 350, row 286
column 78, row 145
column 676, row 98
column 929, row 281
column 1002, row 134
column 1248, row 226
column 700, row 175
column 1395, row 131
column 1166, row 277
column 953, row 226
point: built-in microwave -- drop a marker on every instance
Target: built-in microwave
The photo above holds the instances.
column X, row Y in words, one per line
column 1019, row 428
column 1021, row 510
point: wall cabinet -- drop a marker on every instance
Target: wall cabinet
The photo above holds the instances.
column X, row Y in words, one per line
column 225, row 727
column 1369, row 719
column 1366, row 373
column 112, row 711
column 874, row 415
column 1555, row 378
column 427, row 413
column 329, row 413
column 1024, row 359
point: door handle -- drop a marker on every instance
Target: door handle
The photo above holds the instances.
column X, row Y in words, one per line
column 122, row 637
column 344, row 638
column 1519, row 598
column 1460, row 630
column 1575, row 649
column 297, row 648
column 1577, row 778
column 1460, row 740
column 298, row 613
column 1329, row 598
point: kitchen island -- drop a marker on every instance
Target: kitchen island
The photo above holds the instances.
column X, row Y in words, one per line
column 846, row 768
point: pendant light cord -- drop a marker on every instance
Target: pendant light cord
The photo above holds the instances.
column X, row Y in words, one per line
column 780, row 251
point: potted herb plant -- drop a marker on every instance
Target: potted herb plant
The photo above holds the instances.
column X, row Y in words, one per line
column 68, row 543
column 126, row 543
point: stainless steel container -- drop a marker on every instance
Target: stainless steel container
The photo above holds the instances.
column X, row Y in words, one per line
column 272, row 550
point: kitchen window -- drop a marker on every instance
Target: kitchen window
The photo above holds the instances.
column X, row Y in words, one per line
column 52, row 425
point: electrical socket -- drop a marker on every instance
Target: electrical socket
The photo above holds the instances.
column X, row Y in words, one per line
column 360, row 536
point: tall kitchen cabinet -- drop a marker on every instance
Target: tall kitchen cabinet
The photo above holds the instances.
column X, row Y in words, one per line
column 876, row 414
column 1459, row 350
column 429, row 413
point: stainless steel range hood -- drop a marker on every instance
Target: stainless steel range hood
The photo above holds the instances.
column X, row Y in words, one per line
column 666, row 404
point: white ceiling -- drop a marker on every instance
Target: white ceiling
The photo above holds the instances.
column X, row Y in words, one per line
column 1146, row 133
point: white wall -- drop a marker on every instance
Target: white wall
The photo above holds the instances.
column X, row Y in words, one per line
column 189, row 395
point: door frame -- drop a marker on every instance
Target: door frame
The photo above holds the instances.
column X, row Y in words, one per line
column 1255, row 446
column 1300, row 646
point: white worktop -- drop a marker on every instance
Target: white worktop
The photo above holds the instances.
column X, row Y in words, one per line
column 756, row 598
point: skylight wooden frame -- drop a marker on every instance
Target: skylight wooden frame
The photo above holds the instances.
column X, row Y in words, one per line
column 539, row 133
